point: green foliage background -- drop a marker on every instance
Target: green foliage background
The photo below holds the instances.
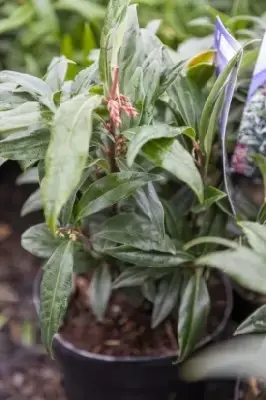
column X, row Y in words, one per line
column 32, row 32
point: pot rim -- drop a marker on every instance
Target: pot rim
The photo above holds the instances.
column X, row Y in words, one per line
column 133, row 359
column 237, row 389
column 242, row 292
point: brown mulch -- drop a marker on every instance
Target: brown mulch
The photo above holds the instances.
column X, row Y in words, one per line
column 126, row 329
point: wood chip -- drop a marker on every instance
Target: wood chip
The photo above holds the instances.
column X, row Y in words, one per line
column 112, row 343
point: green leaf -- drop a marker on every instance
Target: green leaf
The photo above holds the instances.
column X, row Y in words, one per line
column 176, row 210
column 143, row 134
column 116, row 12
column 25, row 115
column 186, row 98
column 89, row 41
column 131, row 55
column 35, row 86
column 212, row 126
column 34, row 203
column 85, row 79
column 56, row 73
column 56, row 288
column 261, row 217
column 212, row 98
column 211, row 239
column 87, row 9
column 2, row 161
column 213, row 223
column 29, row 176
column 255, row 323
column 132, row 230
column 166, row 298
column 148, row 290
column 25, row 164
column 39, row 241
column 244, row 354
column 211, row 195
column 100, row 290
column 83, row 261
column 200, row 73
column 169, row 73
column 260, row 161
column 110, row 190
column 17, row 19
column 45, row 10
column 67, row 153
column 144, row 259
column 66, row 215
column 131, row 277
column 151, row 83
column 22, row 146
column 151, row 206
column 193, row 313
column 252, row 267
column 256, row 235
column 170, row 155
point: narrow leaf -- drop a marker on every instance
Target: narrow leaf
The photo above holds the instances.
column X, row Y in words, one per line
column 212, row 126
column 21, row 16
column 144, row 259
column 39, row 241
column 215, row 91
column 166, row 298
column 193, row 312
column 151, row 206
column 131, row 277
column 35, row 86
column 29, row 176
column 229, row 261
column 67, row 153
column 56, row 73
column 132, row 230
column 56, row 288
column 100, row 290
column 116, row 12
column 22, row 146
column 255, row 323
column 143, row 134
column 170, row 155
column 260, row 161
column 256, row 235
column 111, row 189
column 34, row 203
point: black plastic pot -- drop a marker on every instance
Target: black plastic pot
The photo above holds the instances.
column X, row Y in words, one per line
column 241, row 388
column 100, row 377
column 245, row 303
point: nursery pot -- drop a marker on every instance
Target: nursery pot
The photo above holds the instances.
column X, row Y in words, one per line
column 245, row 303
column 100, row 377
column 243, row 392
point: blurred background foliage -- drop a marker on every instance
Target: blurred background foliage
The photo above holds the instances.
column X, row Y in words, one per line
column 34, row 31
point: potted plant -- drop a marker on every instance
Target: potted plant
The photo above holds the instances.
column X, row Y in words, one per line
column 242, row 357
column 126, row 257
column 247, row 301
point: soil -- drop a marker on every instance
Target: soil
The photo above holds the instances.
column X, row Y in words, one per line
column 126, row 329
column 34, row 377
